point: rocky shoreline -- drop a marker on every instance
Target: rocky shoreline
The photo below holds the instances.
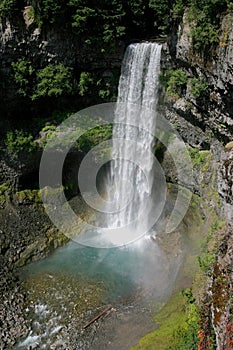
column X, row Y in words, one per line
column 26, row 235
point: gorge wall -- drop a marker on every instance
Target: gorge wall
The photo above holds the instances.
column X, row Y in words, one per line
column 207, row 123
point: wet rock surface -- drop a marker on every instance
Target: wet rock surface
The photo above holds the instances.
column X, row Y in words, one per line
column 60, row 311
column 12, row 316
column 26, row 235
column 221, row 296
column 226, row 183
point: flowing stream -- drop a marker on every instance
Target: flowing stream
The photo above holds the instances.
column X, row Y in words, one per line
column 77, row 279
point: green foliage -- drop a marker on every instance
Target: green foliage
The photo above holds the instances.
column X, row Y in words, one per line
column 206, row 262
column 177, row 80
column 179, row 327
column 7, row 8
column 205, row 14
column 167, row 12
column 98, row 20
column 47, row 11
column 5, row 192
column 28, row 196
column 23, row 74
column 53, row 80
column 89, row 139
column 49, row 128
column 174, row 81
column 204, row 34
column 197, row 156
column 5, row 188
column 178, row 9
column 199, row 87
column 47, row 132
column 104, row 89
column 93, row 137
column 18, row 141
column 162, row 11
column 230, row 5
column 104, row 86
column 85, row 83
column 83, row 16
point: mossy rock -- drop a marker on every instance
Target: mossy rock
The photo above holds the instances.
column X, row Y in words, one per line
column 5, row 188
column 42, row 247
column 178, row 320
column 27, row 197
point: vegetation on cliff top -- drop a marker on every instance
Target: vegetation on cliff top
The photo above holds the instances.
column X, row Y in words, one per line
column 99, row 27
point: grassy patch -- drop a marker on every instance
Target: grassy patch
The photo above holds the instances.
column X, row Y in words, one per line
column 199, row 157
column 178, row 330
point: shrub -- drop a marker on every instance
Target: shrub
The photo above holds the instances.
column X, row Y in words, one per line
column 85, row 83
column 206, row 16
column 94, row 136
column 49, row 128
column 198, row 157
column 204, row 34
column 18, row 141
column 199, row 87
column 7, row 8
column 206, row 262
column 174, row 81
column 53, row 80
column 47, row 11
column 23, row 75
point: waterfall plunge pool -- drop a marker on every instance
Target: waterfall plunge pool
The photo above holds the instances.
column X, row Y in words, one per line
column 69, row 287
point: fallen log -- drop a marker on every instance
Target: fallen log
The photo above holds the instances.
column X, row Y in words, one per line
column 102, row 313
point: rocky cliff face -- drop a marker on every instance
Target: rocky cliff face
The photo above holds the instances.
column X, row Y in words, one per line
column 22, row 39
column 208, row 123
column 213, row 115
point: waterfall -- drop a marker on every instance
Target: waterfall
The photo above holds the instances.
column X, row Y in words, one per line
column 131, row 174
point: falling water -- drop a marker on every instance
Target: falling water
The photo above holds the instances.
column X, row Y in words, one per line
column 131, row 174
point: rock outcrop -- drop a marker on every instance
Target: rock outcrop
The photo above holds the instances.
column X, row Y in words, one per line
column 207, row 123
column 213, row 115
column 21, row 38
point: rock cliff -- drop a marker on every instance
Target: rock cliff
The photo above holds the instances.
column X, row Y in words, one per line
column 207, row 123
column 212, row 114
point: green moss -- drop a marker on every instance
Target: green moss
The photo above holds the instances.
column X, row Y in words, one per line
column 5, row 187
column 5, row 192
column 199, row 157
column 49, row 128
column 2, row 199
column 27, row 196
column 178, row 330
column 206, row 167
